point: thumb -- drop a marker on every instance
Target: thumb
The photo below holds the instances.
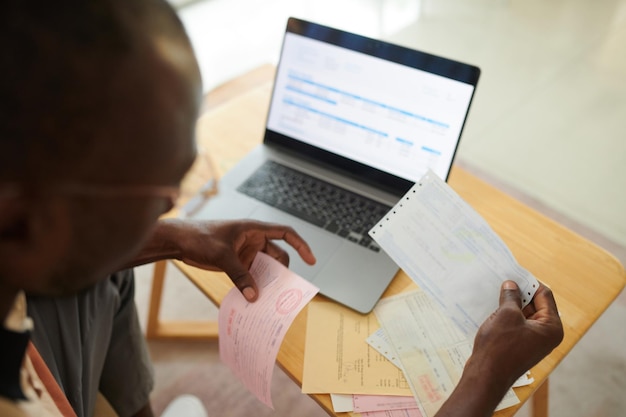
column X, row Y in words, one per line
column 509, row 293
column 242, row 279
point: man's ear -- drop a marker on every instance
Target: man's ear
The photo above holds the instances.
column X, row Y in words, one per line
column 34, row 237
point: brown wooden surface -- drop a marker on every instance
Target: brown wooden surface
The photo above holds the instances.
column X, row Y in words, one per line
column 156, row 328
column 540, row 400
column 584, row 277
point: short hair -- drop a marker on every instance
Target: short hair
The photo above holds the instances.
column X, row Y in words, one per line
column 58, row 60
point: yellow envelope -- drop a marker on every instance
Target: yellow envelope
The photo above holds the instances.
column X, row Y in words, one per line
column 338, row 360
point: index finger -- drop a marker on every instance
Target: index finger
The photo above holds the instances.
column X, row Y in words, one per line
column 544, row 302
column 286, row 233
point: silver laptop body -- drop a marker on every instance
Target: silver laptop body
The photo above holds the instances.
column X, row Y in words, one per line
column 367, row 119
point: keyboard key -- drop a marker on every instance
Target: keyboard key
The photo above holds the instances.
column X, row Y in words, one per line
column 325, row 205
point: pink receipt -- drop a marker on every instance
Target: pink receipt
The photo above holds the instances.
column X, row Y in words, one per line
column 371, row 403
column 250, row 334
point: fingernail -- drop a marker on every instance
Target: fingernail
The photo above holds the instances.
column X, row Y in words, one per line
column 509, row 285
column 249, row 293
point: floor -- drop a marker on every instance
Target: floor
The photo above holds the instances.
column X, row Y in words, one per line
column 546, row 126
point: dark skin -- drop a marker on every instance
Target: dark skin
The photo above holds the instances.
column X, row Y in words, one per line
column 508, row 343
column 228, row 246
column 57, row 243
column 54, row 243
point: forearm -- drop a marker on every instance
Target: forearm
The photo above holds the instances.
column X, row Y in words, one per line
column 476, row 395
column 162, row 244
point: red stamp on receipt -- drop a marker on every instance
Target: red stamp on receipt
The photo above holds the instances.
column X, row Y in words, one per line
column 288, row 301
column 431, row 392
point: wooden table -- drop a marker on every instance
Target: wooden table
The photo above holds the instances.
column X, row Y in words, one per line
column 585, row 278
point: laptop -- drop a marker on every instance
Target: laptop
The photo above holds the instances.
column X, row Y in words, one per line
column 353, row 123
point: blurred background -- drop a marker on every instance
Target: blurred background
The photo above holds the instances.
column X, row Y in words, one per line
column 549, row 116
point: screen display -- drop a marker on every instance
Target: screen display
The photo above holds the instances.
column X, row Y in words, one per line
column 392, row 117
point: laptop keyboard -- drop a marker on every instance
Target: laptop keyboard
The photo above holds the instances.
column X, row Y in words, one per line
column 335, row 209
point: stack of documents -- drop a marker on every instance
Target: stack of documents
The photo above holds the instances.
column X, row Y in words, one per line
column 339, row 361
column 406, row 359
column 351, row 357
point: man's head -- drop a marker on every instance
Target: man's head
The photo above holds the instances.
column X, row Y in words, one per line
column 98, row 101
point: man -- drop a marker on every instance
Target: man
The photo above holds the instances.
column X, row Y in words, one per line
column 99, row 101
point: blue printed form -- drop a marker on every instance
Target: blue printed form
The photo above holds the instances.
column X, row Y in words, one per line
column 451, row 252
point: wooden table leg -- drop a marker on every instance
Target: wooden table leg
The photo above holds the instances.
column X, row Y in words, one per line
column 157, row 329
column 540, row 401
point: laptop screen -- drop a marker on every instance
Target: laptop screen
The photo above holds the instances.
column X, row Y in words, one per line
column 378, row 110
